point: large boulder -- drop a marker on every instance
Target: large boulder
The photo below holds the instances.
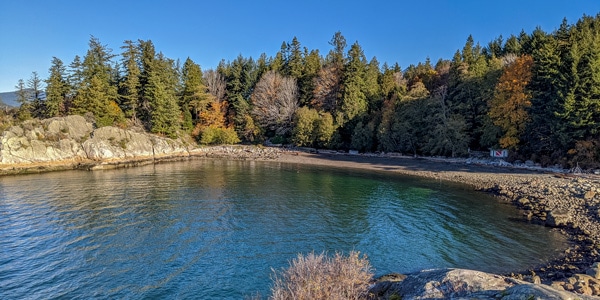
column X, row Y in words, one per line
column 464, row 284
column 73, row 138
column 56, row 139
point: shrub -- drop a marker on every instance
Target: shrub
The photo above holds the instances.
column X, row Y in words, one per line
column 213, row 135
column 321, row 277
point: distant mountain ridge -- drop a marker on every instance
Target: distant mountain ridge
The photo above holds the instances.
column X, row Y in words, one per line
column 9, row 99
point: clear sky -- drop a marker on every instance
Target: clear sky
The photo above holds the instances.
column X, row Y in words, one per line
column 407, row 32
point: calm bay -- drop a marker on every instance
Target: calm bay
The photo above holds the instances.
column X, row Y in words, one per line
column 215, row 229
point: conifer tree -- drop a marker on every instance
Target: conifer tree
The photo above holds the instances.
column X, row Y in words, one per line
column 75, row 76
column 148, row 54
column 372, row 88
column 195, row 97
column 130, row 86
column 293, row 59
column 354, row 99
column 24, row 98
column 97, row 93
column 312, row 66
column 56, row 89
column 545, row 133
column 34, row 84
column 160, row 91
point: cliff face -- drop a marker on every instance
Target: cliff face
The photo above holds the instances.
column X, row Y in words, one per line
column 74, row 139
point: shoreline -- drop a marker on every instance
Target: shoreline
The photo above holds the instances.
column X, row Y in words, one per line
column 569, row 203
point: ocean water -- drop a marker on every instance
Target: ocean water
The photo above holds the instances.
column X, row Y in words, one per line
column 216, row 229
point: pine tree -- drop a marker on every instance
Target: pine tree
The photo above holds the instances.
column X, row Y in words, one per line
column 24, row 98
column 75, row 76
column 57, row 89
column 98, row 93
column 354, row 99
column 293, row 59
column 312, row 66
column 545, row 133
column 148, row 55
column 512, row 46
column 160, row 92
column 130, row 86
column 195, row 96
column 582, row 107
column 372, row 87
column 34, row 84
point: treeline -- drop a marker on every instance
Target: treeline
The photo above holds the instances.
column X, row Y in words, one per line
column 537, row 94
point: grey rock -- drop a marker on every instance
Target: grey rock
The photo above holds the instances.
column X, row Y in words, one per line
column 558, row 217
column 72, row 138
column 466, row 284
column 594, row 271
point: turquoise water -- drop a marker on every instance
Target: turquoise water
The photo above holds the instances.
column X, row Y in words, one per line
column 215, row 229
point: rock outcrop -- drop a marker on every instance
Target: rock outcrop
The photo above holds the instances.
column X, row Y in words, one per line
column 73, row 139
column 464, row 284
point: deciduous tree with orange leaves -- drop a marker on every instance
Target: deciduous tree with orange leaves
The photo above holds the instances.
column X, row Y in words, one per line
column 508, row 107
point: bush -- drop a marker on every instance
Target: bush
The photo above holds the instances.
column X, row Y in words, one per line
column 213, row 135
column 321, row 277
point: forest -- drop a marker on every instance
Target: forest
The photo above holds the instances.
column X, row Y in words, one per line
column 536, row 94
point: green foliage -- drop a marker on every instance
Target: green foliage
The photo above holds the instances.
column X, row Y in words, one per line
column 354, row 98
column 130, row 86
column 213, row 135
column 312, row 129
column 465, row 103
column 160, row 92
column 363, row 137
column 56, row 89
column 304, row 126
column 195, row 98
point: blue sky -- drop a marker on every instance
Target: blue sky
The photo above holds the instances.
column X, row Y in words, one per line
column 407, row 32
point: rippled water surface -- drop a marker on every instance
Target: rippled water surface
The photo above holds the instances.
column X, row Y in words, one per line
column 214, row 229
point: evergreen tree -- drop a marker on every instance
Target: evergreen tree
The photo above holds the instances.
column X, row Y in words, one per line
column 312, row 66
column 545, row 133
column 581, row 109
column 24, row 98
column 372, row 87
column 512, row 46
column 56, row 89
column 195, row 96
column 130, row 86
column 98, row 93
column 354, row 100
column 160, row 91
column 75, row 76
column 148, row 54
column 34, row 84
column 293, row 59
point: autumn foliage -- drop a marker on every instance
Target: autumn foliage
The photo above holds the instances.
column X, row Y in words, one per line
column 508, row 108
column 211, row 127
